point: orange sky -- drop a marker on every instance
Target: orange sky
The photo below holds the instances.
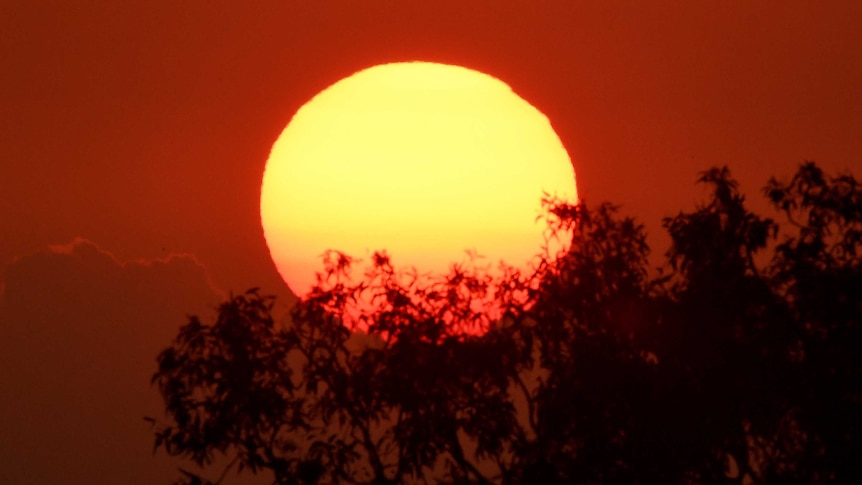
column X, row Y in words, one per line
column 145, row 128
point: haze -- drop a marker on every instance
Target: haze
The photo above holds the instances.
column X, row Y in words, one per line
column 144, row 129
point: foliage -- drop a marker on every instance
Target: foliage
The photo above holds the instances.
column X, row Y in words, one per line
column 736, row 362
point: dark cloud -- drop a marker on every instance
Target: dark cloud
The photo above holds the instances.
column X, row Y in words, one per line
column 79, row 332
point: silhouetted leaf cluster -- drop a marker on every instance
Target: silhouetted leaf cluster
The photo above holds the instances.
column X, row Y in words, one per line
column 737, row 362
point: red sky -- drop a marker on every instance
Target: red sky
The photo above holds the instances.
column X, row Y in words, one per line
column 145, row 127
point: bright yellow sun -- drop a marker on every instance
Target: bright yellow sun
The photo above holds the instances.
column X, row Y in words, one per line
column 423, row 160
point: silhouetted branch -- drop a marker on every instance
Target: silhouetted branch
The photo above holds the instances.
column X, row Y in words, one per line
column 626, row 377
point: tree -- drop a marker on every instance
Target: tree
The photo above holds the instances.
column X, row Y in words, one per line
column 735, row 362
column 818, row 271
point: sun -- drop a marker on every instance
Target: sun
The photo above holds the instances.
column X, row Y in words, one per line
column 425, row 161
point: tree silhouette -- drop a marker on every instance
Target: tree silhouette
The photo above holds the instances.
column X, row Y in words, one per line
column 736, row 362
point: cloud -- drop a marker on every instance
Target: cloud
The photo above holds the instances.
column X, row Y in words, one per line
column 79, row 333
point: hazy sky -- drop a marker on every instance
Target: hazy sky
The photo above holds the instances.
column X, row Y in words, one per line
column 143, row 127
